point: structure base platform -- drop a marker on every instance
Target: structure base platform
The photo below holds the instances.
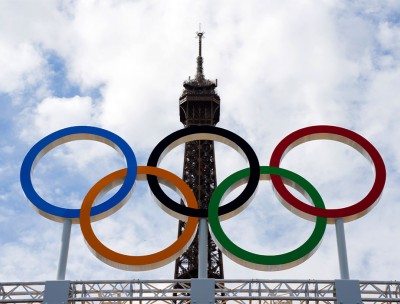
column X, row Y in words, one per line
column 225, row 291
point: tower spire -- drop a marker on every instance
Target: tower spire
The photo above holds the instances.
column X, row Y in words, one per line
column 199, row 73
column 199, row 95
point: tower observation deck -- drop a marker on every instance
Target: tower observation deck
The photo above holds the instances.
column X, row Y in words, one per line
column 199, row 104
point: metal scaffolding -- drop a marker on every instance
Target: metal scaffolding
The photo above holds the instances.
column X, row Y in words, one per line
column 178, row 291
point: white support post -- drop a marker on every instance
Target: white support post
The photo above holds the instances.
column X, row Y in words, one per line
column 342, row 252
column 62, row 264
column 203, row 248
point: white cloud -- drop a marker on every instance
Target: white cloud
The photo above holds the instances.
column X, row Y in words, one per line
column 25, row 28
column 281, row 66
column 21, row 66
column 7, row 149
column 55, row 113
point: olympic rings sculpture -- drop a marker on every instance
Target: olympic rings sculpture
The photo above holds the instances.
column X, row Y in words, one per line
column 280, row 178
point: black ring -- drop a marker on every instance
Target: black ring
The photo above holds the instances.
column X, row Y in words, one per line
column 200, row 133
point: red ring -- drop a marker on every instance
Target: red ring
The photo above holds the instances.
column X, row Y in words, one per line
column 345, row 136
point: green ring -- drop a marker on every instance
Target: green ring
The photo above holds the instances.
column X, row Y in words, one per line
column 258, row 261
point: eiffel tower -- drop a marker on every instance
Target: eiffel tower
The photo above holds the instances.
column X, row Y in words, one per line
column 199, row 104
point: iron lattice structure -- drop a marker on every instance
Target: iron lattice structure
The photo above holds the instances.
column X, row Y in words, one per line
column 199, row 104
column 172, row 291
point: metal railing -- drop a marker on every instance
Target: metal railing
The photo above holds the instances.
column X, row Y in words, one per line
column 178, row 291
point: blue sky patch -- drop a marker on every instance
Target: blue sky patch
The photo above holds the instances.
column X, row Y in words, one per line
column 59, row 83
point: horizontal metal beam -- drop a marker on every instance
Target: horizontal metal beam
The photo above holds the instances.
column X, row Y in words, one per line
column 170, row 291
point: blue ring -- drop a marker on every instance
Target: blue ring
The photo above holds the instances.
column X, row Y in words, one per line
column 75, row 133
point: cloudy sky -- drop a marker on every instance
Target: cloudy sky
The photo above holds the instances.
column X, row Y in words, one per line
column 119, row 65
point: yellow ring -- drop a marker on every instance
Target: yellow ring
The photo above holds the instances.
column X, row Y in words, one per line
column 144, row 262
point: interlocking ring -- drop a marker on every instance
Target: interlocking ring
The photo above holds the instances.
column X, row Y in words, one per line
column 145, row 262
column 259, row 261
column 204, row 133
column 338, row 134
column 55, row 139
column 190, row 213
